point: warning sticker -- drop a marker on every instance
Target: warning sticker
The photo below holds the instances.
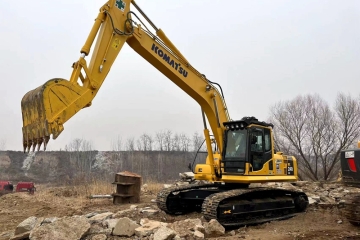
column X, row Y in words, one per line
column 116, row 43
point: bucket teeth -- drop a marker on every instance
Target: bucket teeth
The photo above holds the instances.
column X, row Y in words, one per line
column 46, row 140
column 40, row 141
column 35, row 144
column 24, row 146
column 29, row 146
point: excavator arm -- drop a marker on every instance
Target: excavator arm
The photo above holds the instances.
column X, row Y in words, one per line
column 46, row 108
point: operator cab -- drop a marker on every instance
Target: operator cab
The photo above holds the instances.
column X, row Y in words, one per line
column 245, row 144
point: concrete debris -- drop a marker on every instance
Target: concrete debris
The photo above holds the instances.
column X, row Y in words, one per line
column 89, row 215
column 214, row 229
column 186, row 176
column 125, row 227
column 149, row 212
column 74, row 227
column 187, row 228
column 49, row 220
column 99, row 237
column 100, row 217
column 104, row 224
column 164, row 233
column 147, row 228
column 198, row 235
column 110, row 223
column 144, row 188
column 26, row 225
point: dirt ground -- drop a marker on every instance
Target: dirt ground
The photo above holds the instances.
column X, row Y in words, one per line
column 315, row 223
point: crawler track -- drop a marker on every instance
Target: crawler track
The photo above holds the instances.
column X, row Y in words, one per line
column 253, row 206
column 233, row 208
column 177, row 207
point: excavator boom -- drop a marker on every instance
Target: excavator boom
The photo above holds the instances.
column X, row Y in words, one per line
column 46, row 108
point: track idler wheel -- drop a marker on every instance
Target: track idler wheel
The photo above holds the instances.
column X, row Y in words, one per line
column 301, row 203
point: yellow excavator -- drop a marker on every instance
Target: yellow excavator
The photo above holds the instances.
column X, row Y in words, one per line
column 243, row 149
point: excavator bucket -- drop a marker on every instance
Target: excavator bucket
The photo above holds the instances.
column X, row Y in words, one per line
column 46, row 108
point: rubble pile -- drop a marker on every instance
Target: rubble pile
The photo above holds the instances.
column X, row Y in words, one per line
column 100, row 226
column 319, row 193
column 122, row 224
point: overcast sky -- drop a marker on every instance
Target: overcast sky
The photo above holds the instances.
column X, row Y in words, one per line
column 260, row 52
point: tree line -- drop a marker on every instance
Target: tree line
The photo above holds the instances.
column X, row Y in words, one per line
column 164, row 140
column 306, row 127
column 159, row 157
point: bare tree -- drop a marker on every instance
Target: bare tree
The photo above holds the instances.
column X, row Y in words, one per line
column 139, row 145
column 167, row 140
column 175, row 143
column 150, row 142
column 145, row 143
column 130, row 144
column 198, row 141
column 307, row 128
column 81, row 152
column 184, row 142
column 160, row 139
column 117, row 148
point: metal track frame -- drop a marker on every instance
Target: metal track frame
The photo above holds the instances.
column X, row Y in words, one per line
column 233, row 208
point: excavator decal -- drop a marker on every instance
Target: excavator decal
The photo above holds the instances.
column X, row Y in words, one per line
column 290, row 167
column 166, row 58
column 120, row 5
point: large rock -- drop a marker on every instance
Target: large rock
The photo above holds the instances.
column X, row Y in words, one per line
column 66, row 228
column 125, row 227
column 164, row 233
column 214, row 228
column 26, row 225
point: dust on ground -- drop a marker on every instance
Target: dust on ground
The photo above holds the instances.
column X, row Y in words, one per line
column 316, row 223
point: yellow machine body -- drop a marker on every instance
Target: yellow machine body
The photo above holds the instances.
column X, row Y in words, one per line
column 47, row 108
column 244, row 149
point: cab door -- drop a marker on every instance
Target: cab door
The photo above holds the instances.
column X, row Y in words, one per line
column 259, row 147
